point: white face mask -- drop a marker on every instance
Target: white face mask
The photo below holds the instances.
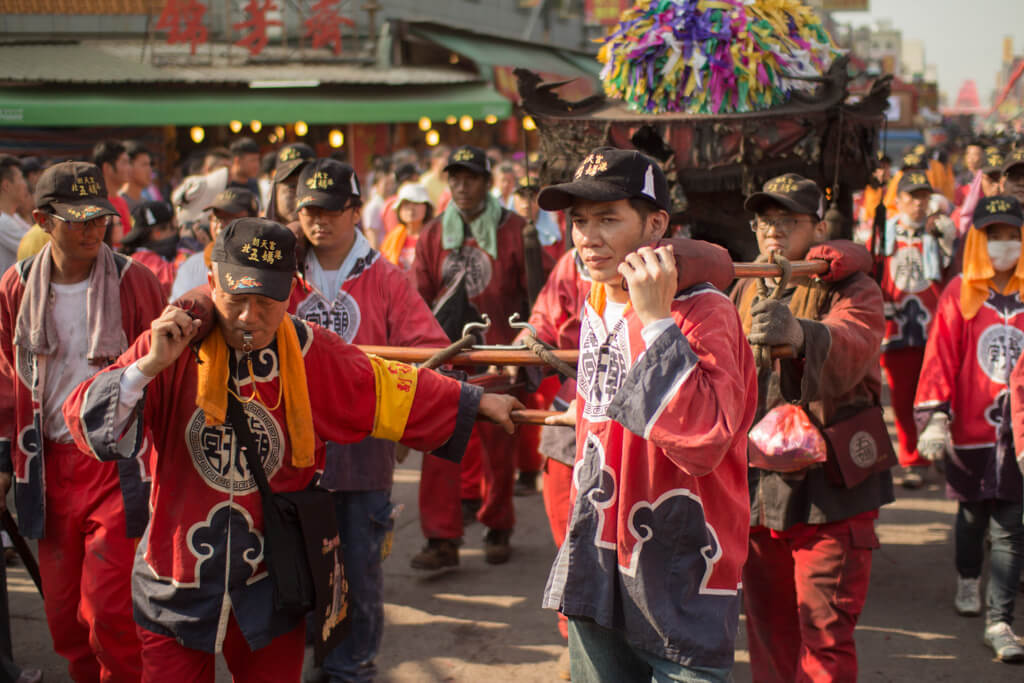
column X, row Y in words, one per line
column 1003, row 253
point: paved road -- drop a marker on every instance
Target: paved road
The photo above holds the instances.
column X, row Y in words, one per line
column 483, row 623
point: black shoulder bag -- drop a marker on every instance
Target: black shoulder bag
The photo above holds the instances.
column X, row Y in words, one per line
column 301, row 546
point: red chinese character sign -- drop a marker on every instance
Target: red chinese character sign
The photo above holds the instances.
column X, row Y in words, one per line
column 257, row 23
column 324, row 25
column 183, row 21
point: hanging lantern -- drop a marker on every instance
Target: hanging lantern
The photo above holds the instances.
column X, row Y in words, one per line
column 433, row 138
column 235, row 126
column 336, row 138
column 301, row 128
column 197, row 134
column 425, row 124
column 256, row 126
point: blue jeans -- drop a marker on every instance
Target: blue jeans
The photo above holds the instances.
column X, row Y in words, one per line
column 598, row 655
column 1002, row 518
column 364, row 520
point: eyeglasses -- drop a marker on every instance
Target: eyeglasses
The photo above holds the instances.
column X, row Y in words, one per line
column 98, row 222
column 780, row 225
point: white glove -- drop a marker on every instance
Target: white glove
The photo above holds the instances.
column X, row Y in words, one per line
column 934, row 440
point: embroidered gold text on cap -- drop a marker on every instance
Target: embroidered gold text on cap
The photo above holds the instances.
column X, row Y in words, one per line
column 781, row 185
column 917, row 179
column 591, row 166
column 995, row 159
column 1017, row 154
column 320, row 181
column 997, row 205
column 261, row 251
column 464, row 155
column 287, row 154
column 85, row 186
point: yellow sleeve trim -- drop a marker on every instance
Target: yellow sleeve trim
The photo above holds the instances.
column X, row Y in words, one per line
column 396, row 388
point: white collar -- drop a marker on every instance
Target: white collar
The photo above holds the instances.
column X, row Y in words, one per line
column 360, row 249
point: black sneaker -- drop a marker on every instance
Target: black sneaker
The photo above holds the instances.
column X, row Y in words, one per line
column 496, row 547
column 526, row 484
column 470, row 506
column 438, row 553
column 913, row 477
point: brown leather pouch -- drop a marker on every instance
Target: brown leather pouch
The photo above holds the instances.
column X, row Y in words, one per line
column 858, row 447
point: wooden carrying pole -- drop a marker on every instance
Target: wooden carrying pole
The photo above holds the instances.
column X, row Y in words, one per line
column 525, row 357
column 800, row 268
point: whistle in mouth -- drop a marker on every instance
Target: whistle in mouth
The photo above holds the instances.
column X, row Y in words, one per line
column 247, row 341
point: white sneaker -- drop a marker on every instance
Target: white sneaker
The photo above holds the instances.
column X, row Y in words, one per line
column 1004, row 643
column 968, row 597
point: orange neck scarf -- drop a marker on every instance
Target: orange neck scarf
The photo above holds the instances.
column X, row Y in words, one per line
column 393, row 244
column 978, row 273
column 212, row 390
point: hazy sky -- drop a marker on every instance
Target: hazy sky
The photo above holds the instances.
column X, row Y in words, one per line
column 962, row 38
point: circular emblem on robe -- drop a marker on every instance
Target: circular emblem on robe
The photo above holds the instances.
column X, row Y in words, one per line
column 906, row 268
column 998, row 350
column 478, row 269
column 220, row 463
column 340, row 316
column 863, row 450
column 602, row 370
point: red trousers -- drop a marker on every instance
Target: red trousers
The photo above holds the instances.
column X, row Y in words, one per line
column 440, row 485
column 530, row 458
column 471, row 473
column 902, row 370
column 557, row 480
column 85, row 561
column 803, row 595
column 164, row 659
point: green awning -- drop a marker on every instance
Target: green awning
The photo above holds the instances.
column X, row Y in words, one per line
column 490, row 52
column 120, row 106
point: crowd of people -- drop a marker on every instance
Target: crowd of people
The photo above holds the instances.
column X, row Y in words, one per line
column 727, row 450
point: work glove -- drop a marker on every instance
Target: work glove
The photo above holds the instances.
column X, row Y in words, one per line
column 773, row 324
column 934, row 441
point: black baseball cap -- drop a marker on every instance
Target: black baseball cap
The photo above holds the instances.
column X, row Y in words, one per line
column 993, row 161
column 470, row 158
column 328, row 184
column 244, row 146
column 290, row 159
column 236, row 199
column 607, row 175
column 74, row 191
column 255, row 256
column 791, row 191
column 527, row 186
column 1014, row 158
column 912, row 181
column 998, row 209
column 914, row 159
column 145, row 216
